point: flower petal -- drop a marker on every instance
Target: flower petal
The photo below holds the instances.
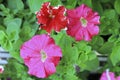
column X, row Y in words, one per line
column 118, row 78
column 93, row 18
column 37, row 70
column 93, row 29
column 87, row 36
column 52, row 50
column 28, row 52
column 104, row 76
column 79, row 35
column 49, row 68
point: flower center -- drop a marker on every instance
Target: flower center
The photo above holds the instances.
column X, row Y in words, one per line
column 83, row 21
column 43, row 56
column 51, row 16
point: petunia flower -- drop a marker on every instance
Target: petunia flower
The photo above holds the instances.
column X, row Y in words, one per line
column 41, row 55
column 107, row 76
column 82, row 23
column 118, row 78
column 1, row 69
column 52, row 18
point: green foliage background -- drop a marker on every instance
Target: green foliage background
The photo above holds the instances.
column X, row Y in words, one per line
column 18, row 24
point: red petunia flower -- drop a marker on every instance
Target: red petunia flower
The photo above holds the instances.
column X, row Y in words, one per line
column 83, row 23
column 52, row 18
column 41, row 55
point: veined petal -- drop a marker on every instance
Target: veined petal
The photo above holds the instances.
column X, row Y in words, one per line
column 79, row 10
column 93, row 29
column 87, row 36
column 28, row 52
column 53, row 50
column 49, row 68
column 93, row 18
column 38, row 70
column 79, row 35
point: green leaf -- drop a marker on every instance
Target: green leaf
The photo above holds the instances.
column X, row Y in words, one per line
column 117, row 6
column 92, row 65
column 91, row 55
column 13, row 27
column 87, row 2
column 71, row 77
column 104, row 1
column 97, row 6
column 106, row 48
column 56, row 2
column 16, row 55
column 2, row 28
column 88, row 62
column 113, row 38
column 5, row 11
column 71, row 4
column 115, row 55
column 4, row 41
column 70, row 53
column 28, row 30
column 35, row 5
column 15, row 5
column 83, row 47
column 83, row 58
column 109, row 22
column 97, row 42
column 15, row 52
column 16, row 70
column 58, row 37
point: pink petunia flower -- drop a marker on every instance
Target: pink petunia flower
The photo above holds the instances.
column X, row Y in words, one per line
column 52, row 18
column 41, row 55
column 118, row 78
column 107, row 76
column 1, row 69
column 82, row 23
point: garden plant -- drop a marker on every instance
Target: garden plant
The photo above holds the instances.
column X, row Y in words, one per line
column 60, row 39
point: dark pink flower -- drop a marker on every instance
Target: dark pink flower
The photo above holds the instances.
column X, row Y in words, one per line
column 82, row 23
column 41, row 55
column 1, row 69
column 52, row 18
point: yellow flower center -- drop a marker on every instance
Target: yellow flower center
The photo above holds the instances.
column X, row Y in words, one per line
column 43, row 56
column 83, row 21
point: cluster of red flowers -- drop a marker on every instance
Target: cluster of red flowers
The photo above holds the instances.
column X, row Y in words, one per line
column 40, row 53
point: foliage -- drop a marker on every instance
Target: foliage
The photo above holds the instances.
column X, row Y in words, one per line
column 18, row 24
